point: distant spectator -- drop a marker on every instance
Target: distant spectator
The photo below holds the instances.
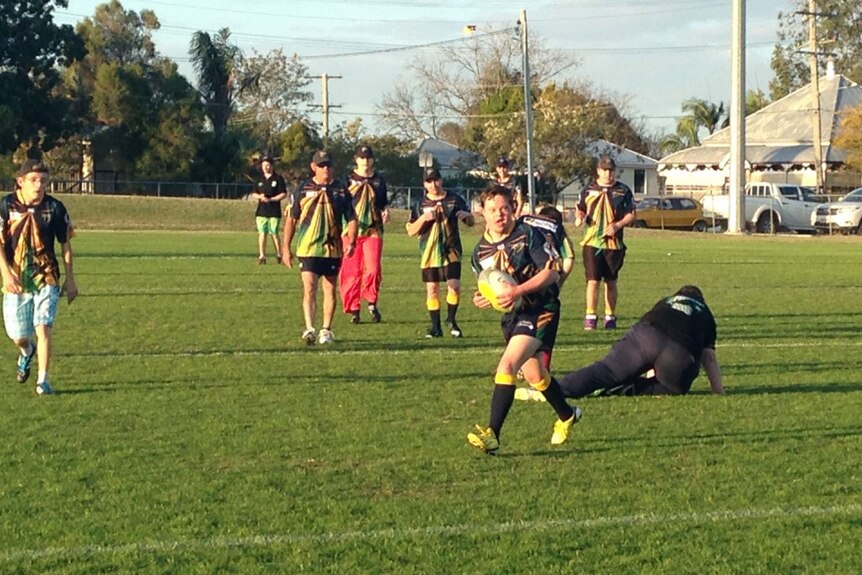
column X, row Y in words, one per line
column 269, row 191
column 504, row 178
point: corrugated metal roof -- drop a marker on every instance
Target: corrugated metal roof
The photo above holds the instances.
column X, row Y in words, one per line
column 781, row 133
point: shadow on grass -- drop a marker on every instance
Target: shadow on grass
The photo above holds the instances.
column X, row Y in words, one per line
column 792, row 388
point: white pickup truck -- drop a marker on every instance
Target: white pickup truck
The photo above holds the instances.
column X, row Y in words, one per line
column 770, row 207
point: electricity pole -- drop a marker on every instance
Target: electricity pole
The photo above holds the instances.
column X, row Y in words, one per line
column 736, row 217
column 528, row 110
column 325, row 105
column 815, row 94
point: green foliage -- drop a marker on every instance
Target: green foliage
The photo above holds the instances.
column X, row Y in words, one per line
column 32, row 113
column 839, row 32
column 193, row 434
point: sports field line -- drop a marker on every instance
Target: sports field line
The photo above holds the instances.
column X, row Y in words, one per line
column 276, row 541
column 476, row 350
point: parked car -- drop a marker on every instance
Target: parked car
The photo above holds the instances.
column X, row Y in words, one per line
column 671, row 213
column 770, row 207
column 845, row 215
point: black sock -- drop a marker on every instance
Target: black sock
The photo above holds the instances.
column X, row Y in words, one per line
column 450, row 312
column 501, row 402
column 555, row 398
column 435, row 319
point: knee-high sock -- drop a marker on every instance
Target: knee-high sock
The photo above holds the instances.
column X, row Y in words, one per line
column 452, row 299
column 501, row 401
column 554, row 396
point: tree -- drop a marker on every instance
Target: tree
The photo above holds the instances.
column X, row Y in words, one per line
column 130, row 99
column 449, row 85
column 215, row 60
column 33, row 114
column 849, row 137
column 274, row 95
column 839, row 22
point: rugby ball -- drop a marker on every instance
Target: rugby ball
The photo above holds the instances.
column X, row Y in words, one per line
column 490, row 282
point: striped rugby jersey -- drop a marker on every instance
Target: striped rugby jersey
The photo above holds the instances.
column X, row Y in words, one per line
column 440, row 240
column 605, row 205
column 320, row 210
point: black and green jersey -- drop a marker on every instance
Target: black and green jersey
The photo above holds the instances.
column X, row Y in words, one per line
column 440, row 240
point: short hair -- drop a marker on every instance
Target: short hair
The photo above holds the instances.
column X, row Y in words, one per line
column 692, row 292
column 495, row 191
column 552, row 213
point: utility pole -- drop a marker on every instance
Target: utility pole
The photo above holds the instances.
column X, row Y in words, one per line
column 528, row 110
column 325, row 105
column 815, row 95
column 736, row 217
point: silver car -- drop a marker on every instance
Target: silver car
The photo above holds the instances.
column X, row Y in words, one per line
column 845, row 215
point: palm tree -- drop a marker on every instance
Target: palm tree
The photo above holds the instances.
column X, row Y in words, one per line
column 705, row 114
column 214, row 60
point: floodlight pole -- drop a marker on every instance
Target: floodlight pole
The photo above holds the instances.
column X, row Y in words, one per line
column 736, row 217
column 528, row 110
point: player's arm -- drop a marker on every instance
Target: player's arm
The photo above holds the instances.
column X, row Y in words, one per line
column 70, row 287
column 709, row 362
column 417, row 225
column 11, row 282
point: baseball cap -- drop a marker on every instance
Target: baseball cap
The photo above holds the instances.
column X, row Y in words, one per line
column 267, row 158
column 503, row 161
column 431, row 174
column 31, row 165
column 321, row 157
column 607, row 163
column 364, row 152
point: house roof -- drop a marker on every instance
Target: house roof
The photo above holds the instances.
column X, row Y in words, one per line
column 448, row 156
column 623, row 157
column 781, row 133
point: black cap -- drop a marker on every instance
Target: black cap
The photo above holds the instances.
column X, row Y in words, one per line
column 31, row 165
column 321, row 157
column 267, row 158
column 364, row 152
column 607, row 163
column 503, row 161
column 431, row 174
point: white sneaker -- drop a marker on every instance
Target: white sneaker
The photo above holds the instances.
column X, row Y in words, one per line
column 325, row 337
column 44, row 388
column 308, row 336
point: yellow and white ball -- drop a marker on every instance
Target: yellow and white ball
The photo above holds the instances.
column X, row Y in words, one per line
column 490, row 284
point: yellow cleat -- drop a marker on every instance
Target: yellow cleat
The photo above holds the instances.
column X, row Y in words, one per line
column 563, row 428
column 485, row 439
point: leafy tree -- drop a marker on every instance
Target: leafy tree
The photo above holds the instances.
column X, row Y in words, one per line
column 274, row 95
column 849, row 137
column 33, row 114
column 130, row 99
column 839, row 22
column 215, row 60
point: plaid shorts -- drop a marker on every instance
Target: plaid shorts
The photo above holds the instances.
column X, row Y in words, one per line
column 23, row 311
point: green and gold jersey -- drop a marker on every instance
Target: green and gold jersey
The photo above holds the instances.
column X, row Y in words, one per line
column 439, row 240
column 605, row 205
column 27, row 236
column 320, row 211
column 370, row 198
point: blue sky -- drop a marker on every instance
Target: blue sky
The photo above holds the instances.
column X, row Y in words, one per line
column 654, row 54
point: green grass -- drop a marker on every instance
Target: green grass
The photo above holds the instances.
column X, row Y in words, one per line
column 195, row 433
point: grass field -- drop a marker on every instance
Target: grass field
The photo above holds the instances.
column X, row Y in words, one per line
column 195, row 433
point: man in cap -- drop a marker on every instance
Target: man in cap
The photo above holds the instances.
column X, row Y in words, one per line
column 606, row 206
column 434, row 220
column 321, row 206
column 30, row 222
column 269, row 191
column 361, row 271
column 504, row 178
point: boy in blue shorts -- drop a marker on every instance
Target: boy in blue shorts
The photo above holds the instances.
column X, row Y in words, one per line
column 526, row 254
column 30, row 222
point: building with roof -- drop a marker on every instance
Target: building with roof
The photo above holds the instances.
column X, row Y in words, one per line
column 779, row 144
column 452, row 161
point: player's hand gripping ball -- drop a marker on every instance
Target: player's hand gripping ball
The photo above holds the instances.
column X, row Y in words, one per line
column 491, row 286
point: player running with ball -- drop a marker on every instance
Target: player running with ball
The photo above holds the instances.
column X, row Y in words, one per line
column 526, row 254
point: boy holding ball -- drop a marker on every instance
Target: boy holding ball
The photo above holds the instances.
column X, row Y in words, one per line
column 529, row 330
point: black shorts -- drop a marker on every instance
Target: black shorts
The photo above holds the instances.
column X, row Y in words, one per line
column 321, row 266
column 602, row 264
column 541, row 324
column 442, row 274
